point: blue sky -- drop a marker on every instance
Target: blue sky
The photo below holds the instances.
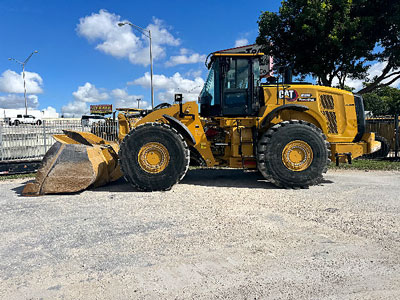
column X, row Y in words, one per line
column 84, row 60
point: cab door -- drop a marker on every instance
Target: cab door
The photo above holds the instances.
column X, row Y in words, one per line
column 236, row 89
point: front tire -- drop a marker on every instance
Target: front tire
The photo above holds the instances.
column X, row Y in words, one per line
column 293, row 154
column 154, row 157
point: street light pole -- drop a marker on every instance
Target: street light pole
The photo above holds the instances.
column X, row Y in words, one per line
column 23, row 76
column 147, row 33
column 151, row 73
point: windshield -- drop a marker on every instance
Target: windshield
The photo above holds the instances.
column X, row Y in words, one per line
column 207, row 93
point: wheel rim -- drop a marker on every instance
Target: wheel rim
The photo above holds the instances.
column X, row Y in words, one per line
column 297, row 156
column 153, row 157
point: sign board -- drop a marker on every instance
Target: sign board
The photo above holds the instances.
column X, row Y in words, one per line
column 102, row 109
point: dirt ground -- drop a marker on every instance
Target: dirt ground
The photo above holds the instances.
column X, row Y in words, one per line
column 220, row 234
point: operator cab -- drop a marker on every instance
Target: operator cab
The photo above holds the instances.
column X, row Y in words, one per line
column 232, row 85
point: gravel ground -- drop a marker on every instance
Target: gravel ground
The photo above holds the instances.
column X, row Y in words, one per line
column 220, row 234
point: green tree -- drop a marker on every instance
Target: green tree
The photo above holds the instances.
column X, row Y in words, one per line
column 335, row 39
column 383, row 101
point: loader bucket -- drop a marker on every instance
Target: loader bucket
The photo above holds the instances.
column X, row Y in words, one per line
column 76, row 161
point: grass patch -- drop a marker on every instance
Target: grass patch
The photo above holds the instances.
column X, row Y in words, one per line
column 368, row 164
column 17, row 176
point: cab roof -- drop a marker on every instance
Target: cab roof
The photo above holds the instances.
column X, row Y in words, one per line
column 249, row 50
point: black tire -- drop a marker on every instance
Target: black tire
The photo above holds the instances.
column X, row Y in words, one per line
column 272, row 144
column 16, row 122
column 38, row 122
column 381, row 153
column 168, row 137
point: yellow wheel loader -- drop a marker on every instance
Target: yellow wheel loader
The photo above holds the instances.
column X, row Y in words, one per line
column 288, row 131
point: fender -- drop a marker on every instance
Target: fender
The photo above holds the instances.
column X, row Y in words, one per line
column 182, row 129
column 272, row 113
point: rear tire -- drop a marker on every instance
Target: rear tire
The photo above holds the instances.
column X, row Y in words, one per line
column 16, row 122
column 293, row 154
column 154, row 157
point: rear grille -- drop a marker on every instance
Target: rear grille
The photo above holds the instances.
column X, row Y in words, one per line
column 332, row 124
column 327, row 102
column 328, row 109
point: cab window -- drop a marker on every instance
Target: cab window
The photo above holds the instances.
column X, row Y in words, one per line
column 237, row 76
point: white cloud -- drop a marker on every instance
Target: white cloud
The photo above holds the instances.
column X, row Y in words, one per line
column 375, row 70
column 160, row 34
column 18, row 101
column 184, row 58
column 142, row 55
column 241, row 42
column 122, row 41
column 12, row 82
column 117, row 41
column 168, row 86
column 50, row 112
column 184, row 51
column 75, row 109
column 124, row 100
column 89, row 93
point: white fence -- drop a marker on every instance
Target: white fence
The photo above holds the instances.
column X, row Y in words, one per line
column 31, row 142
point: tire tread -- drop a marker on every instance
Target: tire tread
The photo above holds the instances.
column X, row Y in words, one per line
column 262, row 154
column 124, row 158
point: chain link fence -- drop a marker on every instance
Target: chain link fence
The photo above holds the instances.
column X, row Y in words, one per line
column 31, row 142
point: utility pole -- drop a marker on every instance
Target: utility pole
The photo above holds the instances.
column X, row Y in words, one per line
column 147, row 33
column 23, row 75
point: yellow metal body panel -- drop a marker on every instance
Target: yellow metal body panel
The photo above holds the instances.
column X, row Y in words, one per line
column 239, row 137
column 123, row 126
column 62, row 138
column 87, row 136
column 104, row 164
column 366, row 146
column 340, row 107
column 195, row 126
column 126, row 123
